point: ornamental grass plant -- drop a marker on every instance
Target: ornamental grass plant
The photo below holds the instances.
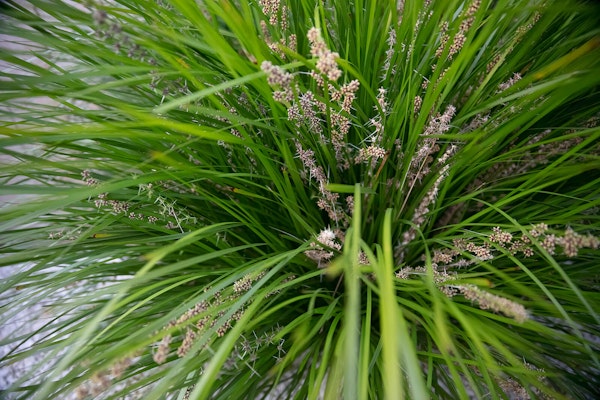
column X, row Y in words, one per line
column 307, row 199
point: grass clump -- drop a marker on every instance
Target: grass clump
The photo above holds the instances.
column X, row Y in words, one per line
column 302, row 199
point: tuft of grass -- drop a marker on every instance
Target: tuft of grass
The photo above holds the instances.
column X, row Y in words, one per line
column 299, row 199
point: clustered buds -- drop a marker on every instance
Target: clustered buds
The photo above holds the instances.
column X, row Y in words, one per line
column 390, row 52
column 87, row 178
column 466, row 252
column 489, row 301
column 419, row 165
column 187, row 343
column 571, row 242
column 465, row 25
column 330, row 240
column 421, row 212
column 277, row 77
column 245, row 284
column 370, row 152
column 326, row 63
column 511, row 81
column 176, row 218
column 417, row 103
column 271, row 8
column 485, row 300
column 330, row 125
column 328, row 243
column 204, row 315
column 277, row 14
column 520, row 33
column 102, row 381
column 347, row 94
column 443, row 39
column 538, row 154
column 515, row 390
column 163, row 349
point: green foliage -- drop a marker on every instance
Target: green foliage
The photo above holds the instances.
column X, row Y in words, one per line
column 303, row 199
